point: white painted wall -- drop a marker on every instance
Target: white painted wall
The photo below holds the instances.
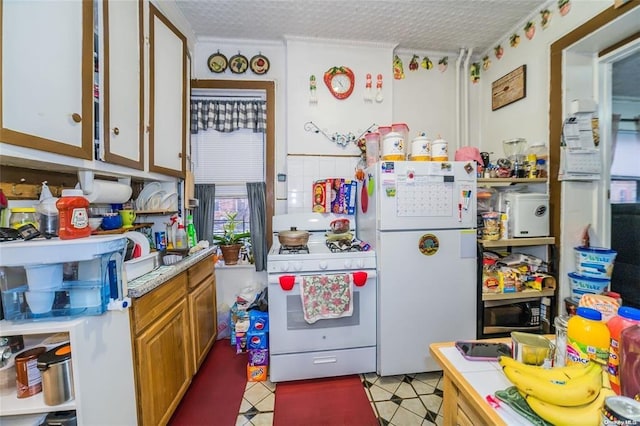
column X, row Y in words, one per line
column 529, row 117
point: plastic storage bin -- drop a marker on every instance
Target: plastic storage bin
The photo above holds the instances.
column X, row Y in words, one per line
column 43, row 279
column 594, row 262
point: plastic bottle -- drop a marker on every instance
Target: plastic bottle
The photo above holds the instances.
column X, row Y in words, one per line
column 626, row 317
column 630, row 361
column 191, row 232
column 181, row 237
column 73, row 215
column 588, row 338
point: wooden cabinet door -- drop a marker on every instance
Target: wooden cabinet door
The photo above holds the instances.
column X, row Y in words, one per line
column 164, row 360
column 202, row 306
column 47, row 76
column 123, row 87
column 167, row 97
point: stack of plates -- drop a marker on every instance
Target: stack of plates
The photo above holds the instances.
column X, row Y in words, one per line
column 153, row 197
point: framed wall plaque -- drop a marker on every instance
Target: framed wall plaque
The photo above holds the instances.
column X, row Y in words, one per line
column 509, row 88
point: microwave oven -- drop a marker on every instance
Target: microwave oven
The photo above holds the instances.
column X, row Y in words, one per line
column 505, row 316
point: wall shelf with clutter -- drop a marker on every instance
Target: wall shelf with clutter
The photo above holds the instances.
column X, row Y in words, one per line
column 517, row 242
column 135, row 227
column 519, row 295
column 493, row 182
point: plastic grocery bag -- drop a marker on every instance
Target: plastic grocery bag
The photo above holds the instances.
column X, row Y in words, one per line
column 224, row 331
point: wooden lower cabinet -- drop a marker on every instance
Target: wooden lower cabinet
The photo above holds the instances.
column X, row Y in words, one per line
column 202, row 307
column 165, row 369
column 173, row 329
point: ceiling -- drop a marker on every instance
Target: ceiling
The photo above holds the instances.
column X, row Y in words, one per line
column 433, row 25
column 428, row 25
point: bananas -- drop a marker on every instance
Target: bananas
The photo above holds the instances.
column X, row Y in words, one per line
column 557, row 374
column 564, row 396
column 569, row 393
column 584, row 415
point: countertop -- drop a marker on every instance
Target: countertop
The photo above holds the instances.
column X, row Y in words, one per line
column 147, row 282
column 477, row 379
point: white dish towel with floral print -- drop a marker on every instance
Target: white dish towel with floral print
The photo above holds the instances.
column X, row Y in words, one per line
column 326, row 296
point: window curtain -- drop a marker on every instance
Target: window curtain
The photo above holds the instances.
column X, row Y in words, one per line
column 228, row 116
column 256, row 192
column 203, row 215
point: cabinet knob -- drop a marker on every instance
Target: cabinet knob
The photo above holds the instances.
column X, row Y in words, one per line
column 77, row 118
column 179, row 155
column 116, row 131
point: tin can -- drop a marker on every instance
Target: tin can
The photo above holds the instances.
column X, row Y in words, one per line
column 28, row 378
column 620, row 410
column 161, row 240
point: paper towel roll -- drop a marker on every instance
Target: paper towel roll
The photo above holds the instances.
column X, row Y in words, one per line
column 109, row 192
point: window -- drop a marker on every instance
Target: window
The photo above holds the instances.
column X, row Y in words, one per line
column 229, row 160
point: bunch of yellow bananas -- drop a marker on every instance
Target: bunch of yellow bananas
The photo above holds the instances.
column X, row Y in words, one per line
column 572, row 395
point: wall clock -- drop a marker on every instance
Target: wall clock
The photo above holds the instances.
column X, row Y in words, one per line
column 340, row 81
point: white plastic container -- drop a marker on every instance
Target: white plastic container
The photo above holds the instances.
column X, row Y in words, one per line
column 421, row 149
column 135, row 268
column 529, row 215
column 44, row 276
column 581, row 285
column 439, row 150
column 594, row 262
column 393, row 147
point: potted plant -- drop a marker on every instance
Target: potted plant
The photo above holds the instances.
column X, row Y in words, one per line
column 230, row 242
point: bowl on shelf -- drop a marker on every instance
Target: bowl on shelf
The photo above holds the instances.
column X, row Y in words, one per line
column 94, row 223
column 111, row 221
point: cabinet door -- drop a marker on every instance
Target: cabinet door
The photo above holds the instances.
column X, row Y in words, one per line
column 47, row 76
column 167, row 98
column 202, row 306
column 163, row 354
column 123, row 84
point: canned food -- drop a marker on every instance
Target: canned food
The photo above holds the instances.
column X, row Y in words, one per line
column 620, row 410
column 28, row 378
column 161, row 241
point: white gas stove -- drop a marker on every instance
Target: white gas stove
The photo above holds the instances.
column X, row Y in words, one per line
column 330, row 346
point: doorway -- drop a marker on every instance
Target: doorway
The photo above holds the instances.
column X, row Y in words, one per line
column 575, row 205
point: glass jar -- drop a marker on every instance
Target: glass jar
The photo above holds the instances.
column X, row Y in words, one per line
column 561, row 340
column 21, row 216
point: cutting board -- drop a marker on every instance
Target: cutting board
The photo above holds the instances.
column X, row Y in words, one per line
column 189, row 186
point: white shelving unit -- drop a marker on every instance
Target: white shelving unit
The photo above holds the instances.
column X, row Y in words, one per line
column 102, row 369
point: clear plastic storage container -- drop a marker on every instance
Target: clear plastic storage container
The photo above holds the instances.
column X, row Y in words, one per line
column 44, row 279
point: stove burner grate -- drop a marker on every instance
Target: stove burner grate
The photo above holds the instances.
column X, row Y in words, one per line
column 341, row 246
column 303, row 249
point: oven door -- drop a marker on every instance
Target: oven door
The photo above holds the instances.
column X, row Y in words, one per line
column 290, row 333
column 504, row 316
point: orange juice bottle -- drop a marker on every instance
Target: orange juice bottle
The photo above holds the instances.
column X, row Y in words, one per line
column 588, row 338
column 626, row 317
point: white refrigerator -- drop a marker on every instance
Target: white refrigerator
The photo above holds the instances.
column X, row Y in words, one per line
column 420, row 218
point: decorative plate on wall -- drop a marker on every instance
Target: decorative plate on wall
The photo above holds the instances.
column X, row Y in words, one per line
column 259, row 64
column 217, row 62
column 238, row 64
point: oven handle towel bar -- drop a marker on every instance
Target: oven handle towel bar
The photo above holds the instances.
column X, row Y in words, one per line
column 287, row 282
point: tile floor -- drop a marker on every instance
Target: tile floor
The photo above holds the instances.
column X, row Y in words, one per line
column 405, row 400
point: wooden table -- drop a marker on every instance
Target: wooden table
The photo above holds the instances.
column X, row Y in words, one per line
column 463, row 401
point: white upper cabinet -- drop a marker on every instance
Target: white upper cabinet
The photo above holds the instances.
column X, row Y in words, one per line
column 47, row 76
column 123, row 135
column 168, row 86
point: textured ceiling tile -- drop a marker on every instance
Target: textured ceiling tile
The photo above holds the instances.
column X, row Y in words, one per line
column 441, row 25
